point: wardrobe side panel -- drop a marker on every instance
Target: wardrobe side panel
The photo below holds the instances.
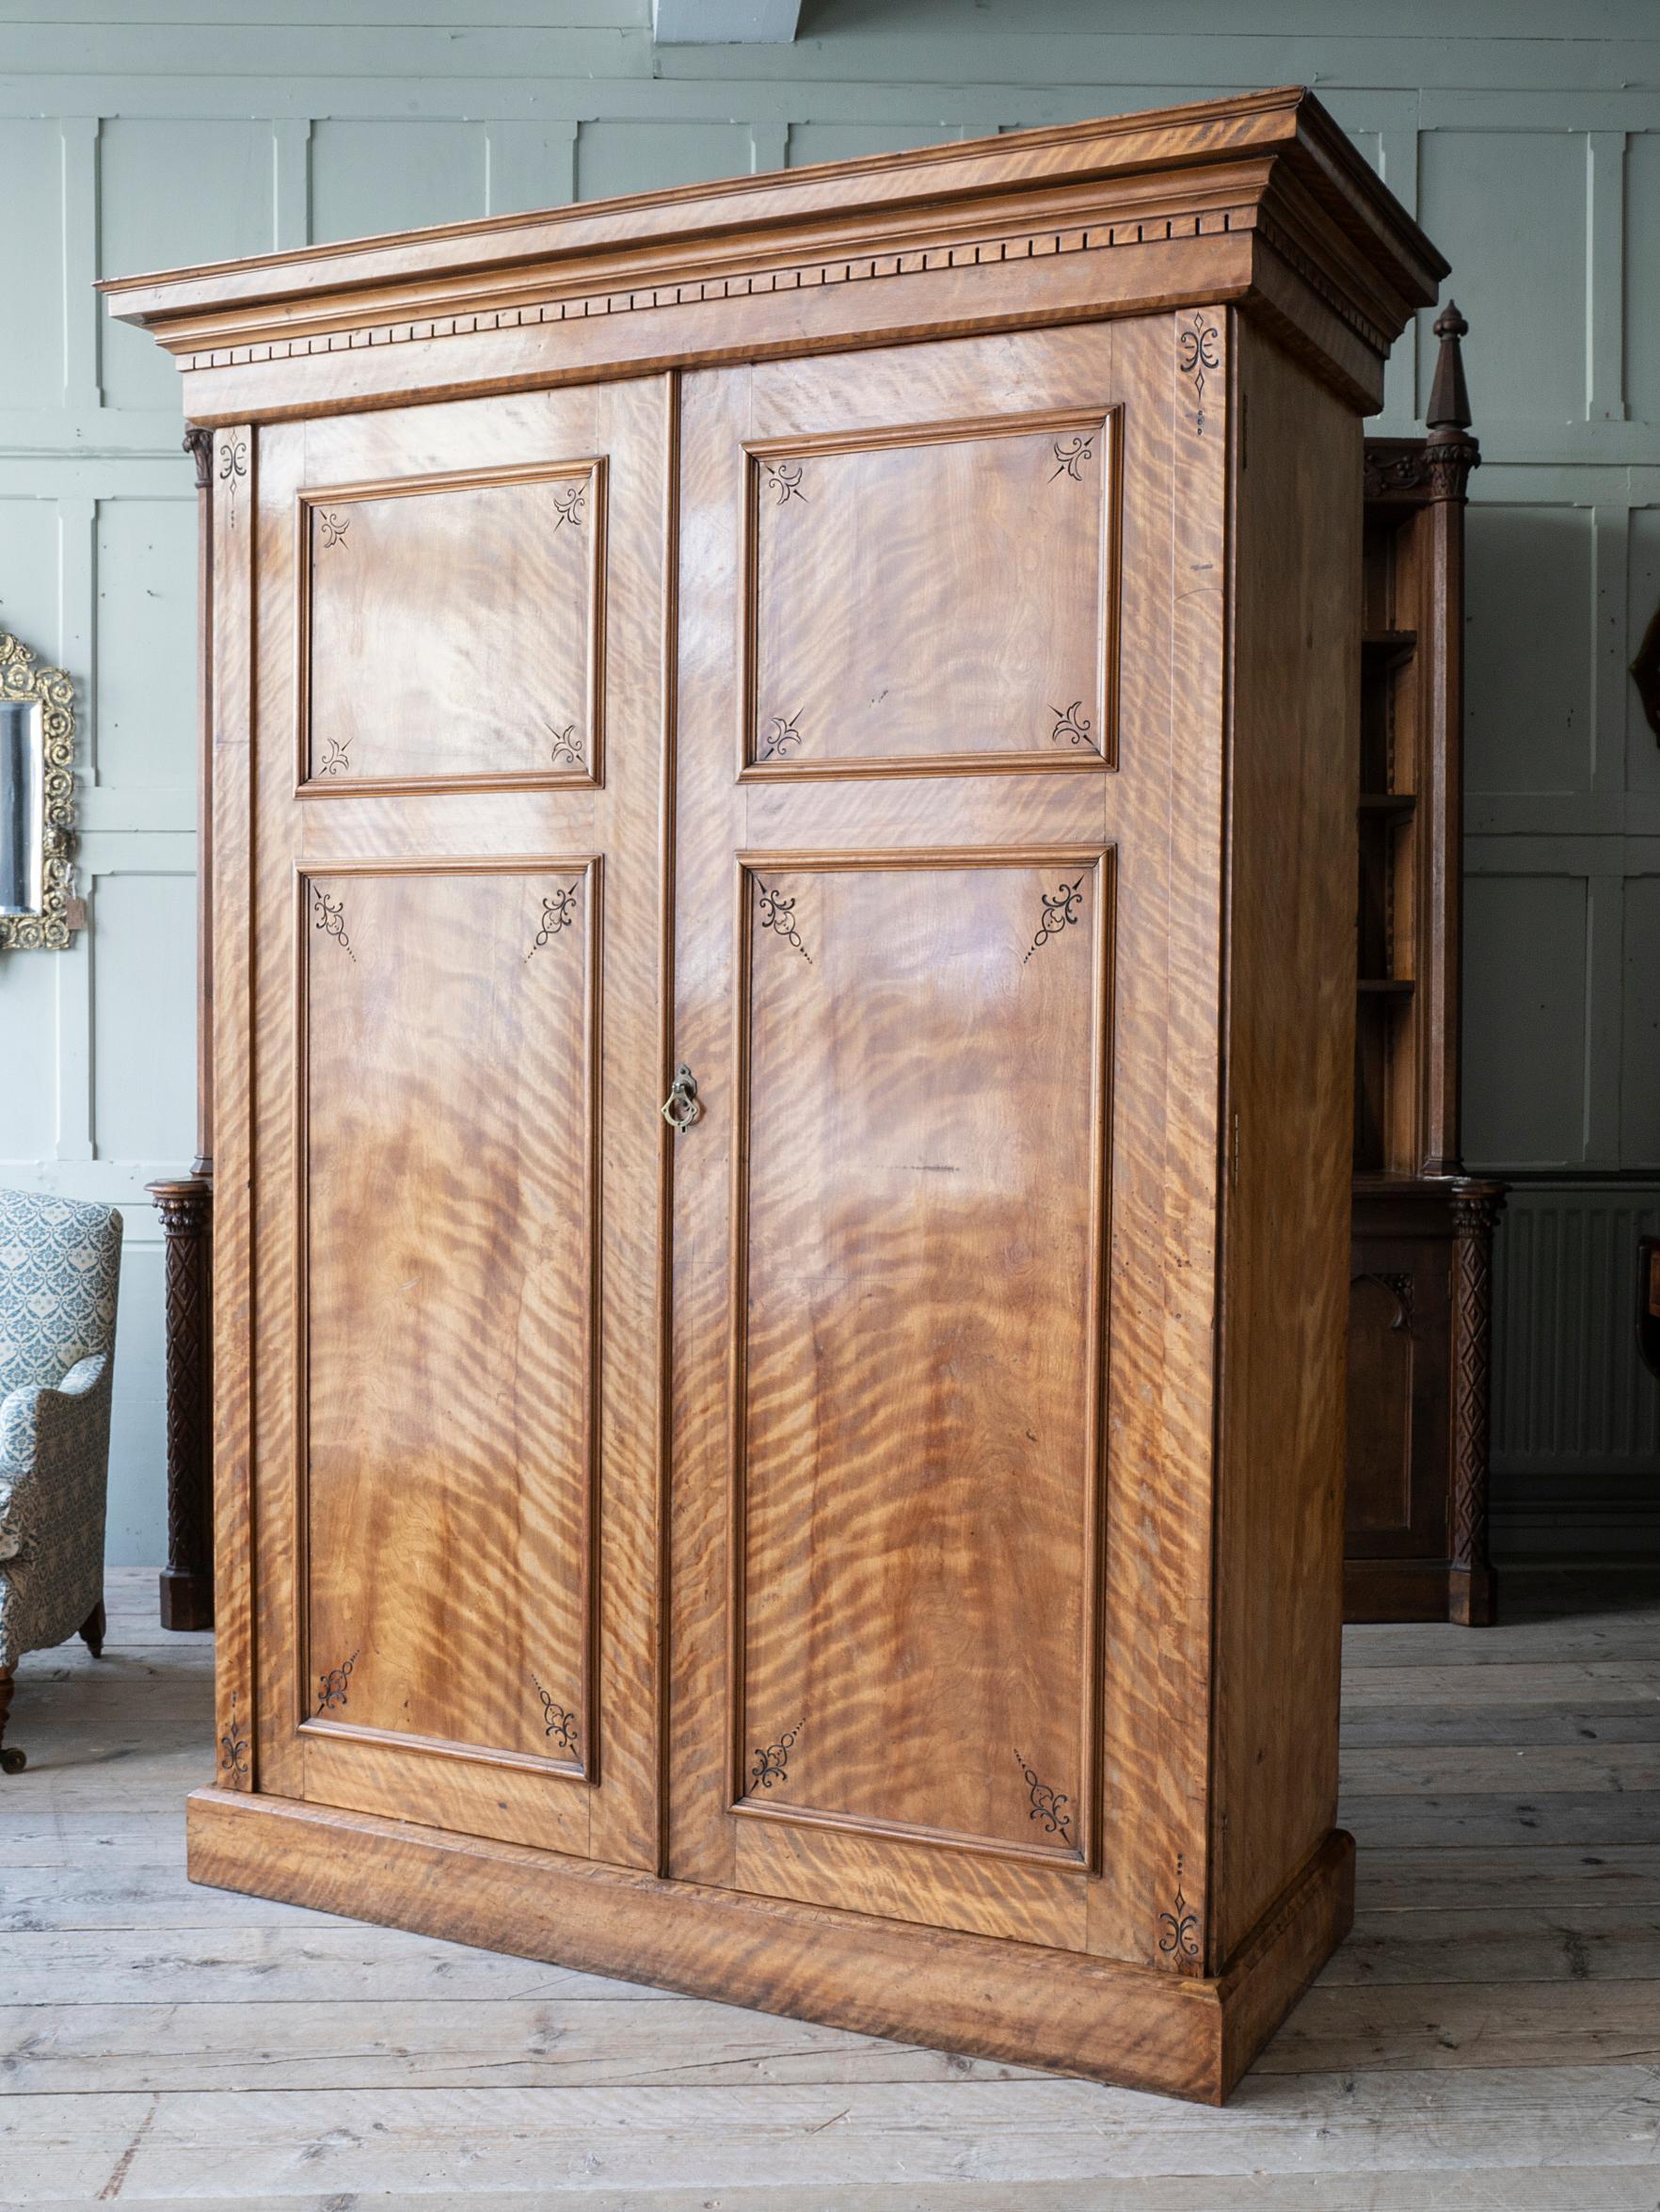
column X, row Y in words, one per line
column 1288, row 1104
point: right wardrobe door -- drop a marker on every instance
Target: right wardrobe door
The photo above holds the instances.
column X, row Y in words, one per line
column 922, row 880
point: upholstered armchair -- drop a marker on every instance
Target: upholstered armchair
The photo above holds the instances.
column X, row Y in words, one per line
column 59, row 1270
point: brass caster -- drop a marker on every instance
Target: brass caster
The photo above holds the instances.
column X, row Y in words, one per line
column 12, row 1762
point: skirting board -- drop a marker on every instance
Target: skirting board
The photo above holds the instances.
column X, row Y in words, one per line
column 1587, row 1513
column 1132, row 2026
column 1418, row 1590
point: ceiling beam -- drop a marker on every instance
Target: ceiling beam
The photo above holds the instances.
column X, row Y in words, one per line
column 725, row 22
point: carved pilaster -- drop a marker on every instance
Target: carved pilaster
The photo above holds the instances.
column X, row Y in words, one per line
column 1476, row 1209
column 186, row 1208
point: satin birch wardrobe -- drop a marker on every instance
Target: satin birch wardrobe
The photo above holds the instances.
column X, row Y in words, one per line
column 783, row 770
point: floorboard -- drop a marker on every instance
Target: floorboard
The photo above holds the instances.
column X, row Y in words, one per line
column 1487, row 2040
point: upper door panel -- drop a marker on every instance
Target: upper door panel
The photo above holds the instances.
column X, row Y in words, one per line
column 932, row 597
column 452, row 628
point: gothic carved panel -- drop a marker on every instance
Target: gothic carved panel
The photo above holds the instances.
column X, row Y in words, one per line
column 993, row 541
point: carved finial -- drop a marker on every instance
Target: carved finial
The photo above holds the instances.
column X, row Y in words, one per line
column 199, row 444
column 1449, row 402
column 1449, row 449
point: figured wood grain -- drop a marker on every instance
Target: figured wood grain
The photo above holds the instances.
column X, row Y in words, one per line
column 459, row 1000
column 915, row 1516
column 992, row 541
column 1292, row 787
column 863, row 1589
column 1013, row 2002
column 230, row 1018
column 449, row 1369
column 965, row 1602
column 1266, row 201
column 391, row 693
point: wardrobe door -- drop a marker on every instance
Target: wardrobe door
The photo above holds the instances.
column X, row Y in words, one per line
column 899, row 866
column 456, row 933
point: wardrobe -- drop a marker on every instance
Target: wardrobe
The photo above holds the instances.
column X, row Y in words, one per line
column 783, row 762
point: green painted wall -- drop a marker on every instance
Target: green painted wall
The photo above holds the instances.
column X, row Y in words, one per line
column 1525, row 136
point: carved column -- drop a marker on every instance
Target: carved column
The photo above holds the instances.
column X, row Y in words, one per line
column 1450, row 454
column 1476, row 1209
column 186, row 1207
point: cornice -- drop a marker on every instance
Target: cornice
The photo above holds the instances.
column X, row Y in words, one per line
column 790, row 276
column 1274, row 163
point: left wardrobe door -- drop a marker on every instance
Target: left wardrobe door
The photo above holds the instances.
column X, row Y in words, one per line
column 454, row 790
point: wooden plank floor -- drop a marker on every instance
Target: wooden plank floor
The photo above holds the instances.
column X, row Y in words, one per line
column 1488, row 2041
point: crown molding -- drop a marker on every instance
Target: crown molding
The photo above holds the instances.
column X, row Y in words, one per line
column 1292, row 219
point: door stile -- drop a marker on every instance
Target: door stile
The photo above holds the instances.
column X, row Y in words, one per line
column 233, row 466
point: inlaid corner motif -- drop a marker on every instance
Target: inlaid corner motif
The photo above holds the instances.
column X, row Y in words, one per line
column 1060, row 909
column 1178, row 1934
column 777, row 913
column 1072, row 455
column 781, row 735
column 233, row 1748
column 570, row 750
column 1198, row 353
column 337, row 760
column 329, row 917
column 570, row 505
column 332, row 1687
column 559, row 909
column 1072, row 725
column 772, row 1760
column 332, row 527
column 558, row 1721
column 232, row 470
column 783, row 479
column 1048, row 1805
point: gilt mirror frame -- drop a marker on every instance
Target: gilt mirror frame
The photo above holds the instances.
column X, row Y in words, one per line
column 25, row 682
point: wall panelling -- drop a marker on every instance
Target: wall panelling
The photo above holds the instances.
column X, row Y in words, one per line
column 156, row 134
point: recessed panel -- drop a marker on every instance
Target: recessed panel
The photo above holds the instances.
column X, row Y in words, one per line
column 451, row 632
column 938, row 597
column 1378, row 1494
column 447, row 1420
column 921, row 1348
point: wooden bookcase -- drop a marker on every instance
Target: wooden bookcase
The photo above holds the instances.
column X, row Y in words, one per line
column 859, row 1535
column 1420, row 1320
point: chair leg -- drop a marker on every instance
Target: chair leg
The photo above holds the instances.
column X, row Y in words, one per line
column 11, row 1762
column 92, row 1631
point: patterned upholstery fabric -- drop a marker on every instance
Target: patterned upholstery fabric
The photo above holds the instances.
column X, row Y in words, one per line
column 59, row 1270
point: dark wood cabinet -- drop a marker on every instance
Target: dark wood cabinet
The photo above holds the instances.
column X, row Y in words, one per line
column 783, row 1005
column 1420, row 1301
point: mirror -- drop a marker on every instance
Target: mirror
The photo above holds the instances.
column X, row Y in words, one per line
column 23, row 809
column 38, row 905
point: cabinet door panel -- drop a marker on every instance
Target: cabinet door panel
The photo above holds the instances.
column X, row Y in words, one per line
column 392, row 694
column 459, row 1153
column 449, row 1261
column 934, row 597
column 918, row 1359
